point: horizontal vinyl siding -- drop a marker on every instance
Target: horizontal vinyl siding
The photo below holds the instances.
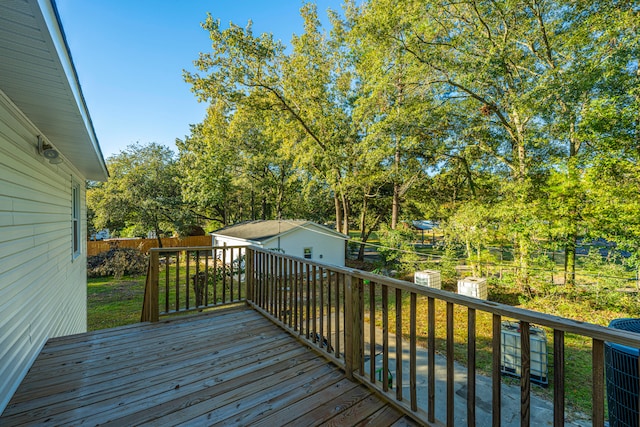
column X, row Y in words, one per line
column 321, row 241
column 42, row 288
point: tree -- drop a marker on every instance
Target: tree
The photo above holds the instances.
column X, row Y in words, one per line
column 143, row 191
column 306, row 88
column 207, row 161
column 472, row 226
column 519, row 79
column 234, row 167
column 401, row 125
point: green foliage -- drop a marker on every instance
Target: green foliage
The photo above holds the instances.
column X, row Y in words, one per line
column 448, row 264
column 606, row 280
column 397, row 250
column 286, row 114
column 513, row 123
column 142, row 194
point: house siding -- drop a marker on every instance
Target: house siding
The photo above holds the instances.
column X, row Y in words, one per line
column 324, row 242
column 321, row 240
column 42, row 288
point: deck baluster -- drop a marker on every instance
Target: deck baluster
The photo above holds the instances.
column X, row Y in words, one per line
column 186, row 279
column 598, row 382
column 224, row 274
column 321, row 316
column 525, row 377
column 558, row 378
column 177, row 281
column 206, row 278
column 431, row 313
column 315, row 298
column 372, row 332
column 399, row 374
column 450, row 371
column 471, row 367
column 385, row 337
column 329, row 311
column 495, row 372
column 166, row 283
column 308, row 301
column 412, row 354
column 337, row 314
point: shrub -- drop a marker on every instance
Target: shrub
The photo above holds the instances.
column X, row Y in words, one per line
column 117, row 262
column 397, row 251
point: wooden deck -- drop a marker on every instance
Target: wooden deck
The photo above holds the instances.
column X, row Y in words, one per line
column 230, row 367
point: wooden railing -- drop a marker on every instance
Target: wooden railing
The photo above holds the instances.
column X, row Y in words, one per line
column 373, row 326
column 181, row 280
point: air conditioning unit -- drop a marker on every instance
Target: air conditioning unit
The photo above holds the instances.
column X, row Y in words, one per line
column 473, row 287
column 511, row 355
column 428, row 278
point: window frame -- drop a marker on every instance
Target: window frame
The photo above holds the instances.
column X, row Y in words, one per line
column 76, row 224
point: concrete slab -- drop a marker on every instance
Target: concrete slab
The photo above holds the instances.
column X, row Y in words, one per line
column 541, row 409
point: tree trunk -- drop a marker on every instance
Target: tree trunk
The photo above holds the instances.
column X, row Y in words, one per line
column 157, row 231
column 395, row 204
column 573, row 176
column 336, row 200
column 523, row 271
column 467, row 244
column 522, row 277
column 280, row 198
column 253, row 205
column 264, row 208
column 345, row 215
column 225, row 213
column 363, row 226
column 570, row 260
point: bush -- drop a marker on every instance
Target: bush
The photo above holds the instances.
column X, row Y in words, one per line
column 117, row 262
column 397, row 251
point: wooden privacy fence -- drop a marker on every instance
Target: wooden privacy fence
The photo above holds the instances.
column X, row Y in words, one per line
column 97, row 247
column 372, row 326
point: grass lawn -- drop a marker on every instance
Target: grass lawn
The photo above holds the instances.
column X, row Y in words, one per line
column 117, row 302
column 112, row 302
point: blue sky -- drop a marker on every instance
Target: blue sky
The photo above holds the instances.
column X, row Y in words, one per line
column 130, row 54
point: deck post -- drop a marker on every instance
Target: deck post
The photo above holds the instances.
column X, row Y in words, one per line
column 153, row 310
column 248, row 274
column 353, row 352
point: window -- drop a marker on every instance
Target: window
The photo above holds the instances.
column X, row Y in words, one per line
column 75, row 218
column 307, row 253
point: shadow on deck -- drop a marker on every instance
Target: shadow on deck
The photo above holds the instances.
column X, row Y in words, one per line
column 228, row 367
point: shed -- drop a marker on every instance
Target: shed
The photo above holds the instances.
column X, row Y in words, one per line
column 48, row 149
column 304, row 239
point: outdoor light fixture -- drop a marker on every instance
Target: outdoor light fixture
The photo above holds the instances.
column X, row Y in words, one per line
column 48, row 152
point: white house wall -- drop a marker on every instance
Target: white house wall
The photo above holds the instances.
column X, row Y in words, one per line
column 229, row 255
column 326, row 247
column 42, row 288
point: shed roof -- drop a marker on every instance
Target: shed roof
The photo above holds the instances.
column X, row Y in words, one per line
column 424, row 224
column 262, row 230
column 38, row 76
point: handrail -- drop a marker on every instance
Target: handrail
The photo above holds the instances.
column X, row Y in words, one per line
column 555, row 322
column 326, row 306
column 287, row 284
column 194, row 279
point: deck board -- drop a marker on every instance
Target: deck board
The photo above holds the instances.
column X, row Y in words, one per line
column 231, row 367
